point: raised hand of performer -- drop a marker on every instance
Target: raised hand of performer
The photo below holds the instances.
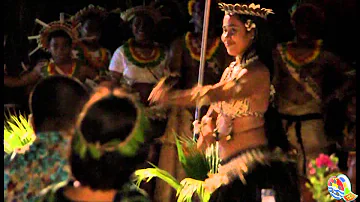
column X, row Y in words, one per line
column 159, row 93
column 40, row 65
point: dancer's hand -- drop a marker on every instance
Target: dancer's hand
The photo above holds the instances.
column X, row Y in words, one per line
column 40, row 65
column 159, row 93
column 205, row 129
column 204, row 126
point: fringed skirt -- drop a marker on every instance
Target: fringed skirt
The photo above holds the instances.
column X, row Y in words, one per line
column 255, row 174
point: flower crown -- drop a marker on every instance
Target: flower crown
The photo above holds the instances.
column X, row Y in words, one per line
column 42, row 38
column 130, row 13
column 128, row 147
column 244, row 9
column 91, row 9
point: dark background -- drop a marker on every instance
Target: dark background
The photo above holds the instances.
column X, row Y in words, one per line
column 340, row 35
column 19, row 22
column 19, row 16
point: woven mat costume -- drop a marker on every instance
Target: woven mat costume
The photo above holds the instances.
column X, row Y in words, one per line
column 255, row 173
column 251, row 174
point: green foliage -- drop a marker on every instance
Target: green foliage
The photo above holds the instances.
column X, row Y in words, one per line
column 193, row 160
column 197, row 166
column 128, row 147
column 18, row 133
column 149, row 173
column 212, row 156
column 185, row 190
column 189, row 187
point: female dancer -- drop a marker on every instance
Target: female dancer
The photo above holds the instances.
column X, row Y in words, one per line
column 185, row 61
column 238, row 117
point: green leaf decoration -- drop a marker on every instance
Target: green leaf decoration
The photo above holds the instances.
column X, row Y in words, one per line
column 149, row 173
column 112, row 143
column 94, row 152
column 212, row 156
column 77, row 143
column 196, row 164
column 82, row 151
column 185, row 189
column 189, row 187
column 128, row 149
column 192, row 159
column 18, row 133
column 179, row 147
column 137, row 136
column 312, row 180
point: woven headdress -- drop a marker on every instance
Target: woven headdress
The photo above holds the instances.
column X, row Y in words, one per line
column 89, row 10
column 128, row 147
column 42, row 38
column 130, row 13
column 191, row 4
column 244, row 9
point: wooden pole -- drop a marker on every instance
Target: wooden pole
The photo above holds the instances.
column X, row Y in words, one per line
column 202, row 56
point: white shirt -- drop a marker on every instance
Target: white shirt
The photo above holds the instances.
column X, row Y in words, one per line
column 134, row 74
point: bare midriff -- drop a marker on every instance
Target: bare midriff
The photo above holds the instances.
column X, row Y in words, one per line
column 248, row 132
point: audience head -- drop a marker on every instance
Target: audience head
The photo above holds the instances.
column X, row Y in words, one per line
column 108, row 145
column 55, row 103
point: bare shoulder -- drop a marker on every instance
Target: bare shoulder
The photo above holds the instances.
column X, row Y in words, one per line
column 258, row 68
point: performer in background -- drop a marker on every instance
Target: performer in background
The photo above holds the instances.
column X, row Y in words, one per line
column 58, row 38
column 309, row 82
column 140, row 63
column 240, row 118
column 88, row 49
